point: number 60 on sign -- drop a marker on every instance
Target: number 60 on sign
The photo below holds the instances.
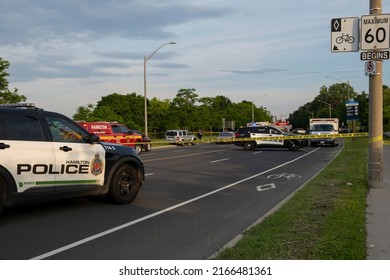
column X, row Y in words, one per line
column 375, row 32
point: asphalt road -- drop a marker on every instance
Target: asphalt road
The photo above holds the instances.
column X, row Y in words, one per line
column 194, row 201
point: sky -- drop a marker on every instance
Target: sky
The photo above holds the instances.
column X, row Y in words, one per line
column 277, row 54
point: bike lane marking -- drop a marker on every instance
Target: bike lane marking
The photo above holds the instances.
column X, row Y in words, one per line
column 136, row 221
column 266, row 187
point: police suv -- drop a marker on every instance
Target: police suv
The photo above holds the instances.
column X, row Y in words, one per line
column 46, row 156
column 252, row 137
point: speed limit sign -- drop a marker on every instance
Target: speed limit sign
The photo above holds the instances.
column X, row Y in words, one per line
column 375, row 32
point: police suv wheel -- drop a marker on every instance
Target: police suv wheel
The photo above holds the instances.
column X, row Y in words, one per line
column 148, row 147
column 249, row 146
column 124, row 185
column 292, row 146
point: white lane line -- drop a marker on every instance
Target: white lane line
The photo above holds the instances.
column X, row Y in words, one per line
column 112, row 230
column 148, row 174
column 219, row 160
column 255, row 153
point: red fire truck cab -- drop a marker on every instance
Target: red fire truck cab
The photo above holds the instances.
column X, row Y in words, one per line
column 115, row 133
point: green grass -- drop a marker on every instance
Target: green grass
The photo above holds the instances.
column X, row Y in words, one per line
column 324, row 220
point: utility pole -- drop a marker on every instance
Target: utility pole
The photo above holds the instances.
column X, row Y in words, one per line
column 375, row 148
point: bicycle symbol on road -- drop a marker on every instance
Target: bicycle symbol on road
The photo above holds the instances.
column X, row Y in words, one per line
column 284, row 175
column 345, row 38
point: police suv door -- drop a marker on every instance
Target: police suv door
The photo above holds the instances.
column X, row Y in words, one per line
column 24, row 153
column 272, row 132
column 267, row 132
column 77, row 163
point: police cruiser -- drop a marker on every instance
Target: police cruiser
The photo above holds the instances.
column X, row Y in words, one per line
column 46, row 156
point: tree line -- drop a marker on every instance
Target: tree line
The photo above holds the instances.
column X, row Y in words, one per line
column 186, row 111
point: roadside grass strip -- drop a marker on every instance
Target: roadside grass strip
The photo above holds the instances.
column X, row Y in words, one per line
column 324, row 220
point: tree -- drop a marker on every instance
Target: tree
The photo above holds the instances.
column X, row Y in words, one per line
column 84, row 113
column 160, row 117
column 386, row 108
column 183, row 105
column 7, row 96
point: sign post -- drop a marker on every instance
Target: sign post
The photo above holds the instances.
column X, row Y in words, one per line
column 375, row 35
column 374, row 41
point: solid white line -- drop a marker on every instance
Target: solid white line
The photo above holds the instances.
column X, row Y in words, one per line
column 104, row 233
column 214, row 161
column 148, row 174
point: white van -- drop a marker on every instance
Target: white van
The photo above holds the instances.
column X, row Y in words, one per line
column 180, row 137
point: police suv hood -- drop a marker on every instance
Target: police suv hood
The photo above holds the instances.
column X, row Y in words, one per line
column 117, row 149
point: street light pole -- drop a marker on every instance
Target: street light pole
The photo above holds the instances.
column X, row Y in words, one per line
column 330, row 77
column 253, row 106
column 146, row 58
column 375, row 121
column 311, row 113
column 330, row 107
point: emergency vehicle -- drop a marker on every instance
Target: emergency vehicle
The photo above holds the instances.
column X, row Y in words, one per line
column 47, row 156
column 249, row 138
column 115, row 133
column 324, row 126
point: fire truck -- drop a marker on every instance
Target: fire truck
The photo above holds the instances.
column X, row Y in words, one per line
column 115, row 133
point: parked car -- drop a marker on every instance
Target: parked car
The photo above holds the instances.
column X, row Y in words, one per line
column 225, row 137
column 47, row 156
column 145, row 141
column 180, row 137
column 298, row 131
column 344, row 129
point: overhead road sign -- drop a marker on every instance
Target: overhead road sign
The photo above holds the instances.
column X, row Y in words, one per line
column 345, row 34
column 375, row 32
column 376, row 55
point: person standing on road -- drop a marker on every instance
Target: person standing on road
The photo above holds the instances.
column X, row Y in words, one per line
column 200, row 134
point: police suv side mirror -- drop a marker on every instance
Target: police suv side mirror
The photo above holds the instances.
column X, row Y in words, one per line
column 93, row 138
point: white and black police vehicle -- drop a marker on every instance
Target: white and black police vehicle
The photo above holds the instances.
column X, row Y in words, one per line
column 250, row 138
column 47, row 156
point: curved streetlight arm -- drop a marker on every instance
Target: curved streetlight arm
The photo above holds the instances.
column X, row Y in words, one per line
column 169, row 43
column 253, row 106
column 330, row 107
column 330, row 77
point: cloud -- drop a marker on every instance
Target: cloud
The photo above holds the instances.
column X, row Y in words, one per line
column 257, row 71
column 234, row 48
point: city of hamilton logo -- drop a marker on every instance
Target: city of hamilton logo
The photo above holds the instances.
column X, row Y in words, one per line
column 97, row 165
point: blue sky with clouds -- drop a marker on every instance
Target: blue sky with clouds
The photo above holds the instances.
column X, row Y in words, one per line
column 68, row 53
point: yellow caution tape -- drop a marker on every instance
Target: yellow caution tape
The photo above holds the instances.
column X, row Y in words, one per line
column 376, row 139
column 280, row 138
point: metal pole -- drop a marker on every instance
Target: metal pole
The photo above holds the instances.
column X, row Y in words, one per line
column 145, row 95
column 330, row 107
column 375, row 146
column 145, row 100
column 253, row 112
column 253, row 106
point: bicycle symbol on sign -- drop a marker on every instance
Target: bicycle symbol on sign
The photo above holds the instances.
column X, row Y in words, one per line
column 284, row 175
column 345, row 38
